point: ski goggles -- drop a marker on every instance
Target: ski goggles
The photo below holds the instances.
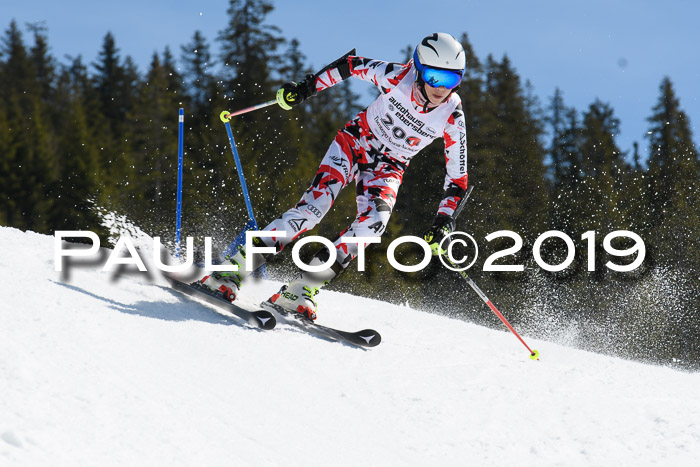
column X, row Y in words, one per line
column 436, row 77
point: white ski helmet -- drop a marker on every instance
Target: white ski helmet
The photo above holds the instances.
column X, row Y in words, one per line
column 440, row 60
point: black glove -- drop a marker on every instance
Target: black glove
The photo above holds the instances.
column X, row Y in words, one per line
column 291, row 94
column 442, row 226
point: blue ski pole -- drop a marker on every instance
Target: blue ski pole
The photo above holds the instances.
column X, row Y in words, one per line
column 239, row 168
column 252, row 223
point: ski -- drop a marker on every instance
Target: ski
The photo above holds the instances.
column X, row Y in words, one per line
column 262, row 319
column 364, row 338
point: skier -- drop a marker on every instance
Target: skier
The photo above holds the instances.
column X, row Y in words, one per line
column 417, row 104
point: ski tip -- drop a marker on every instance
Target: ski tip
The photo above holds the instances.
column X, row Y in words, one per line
column 369, row 338
column 535, row 355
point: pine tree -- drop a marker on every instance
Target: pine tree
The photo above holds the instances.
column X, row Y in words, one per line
column 116, row 83
column 7, row 176
column 85, row 95
column 77, row 190
column 567, row 160
column 601, row 153
column 81, row 84
column 674, row 171
column 248, row 51
column 198, row 72
column 206, row 101
column 30, row 168
column 155, row 143
column 673, row 198
column 44, row 64
column 557, row 121
column 601, row 189
column 294, row 65
column 110, row 83
column 512, row 178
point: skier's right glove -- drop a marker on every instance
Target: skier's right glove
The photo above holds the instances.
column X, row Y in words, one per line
column 291, row 94
column 442, row 226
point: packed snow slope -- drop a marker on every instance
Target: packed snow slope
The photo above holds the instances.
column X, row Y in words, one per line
column 98, row 369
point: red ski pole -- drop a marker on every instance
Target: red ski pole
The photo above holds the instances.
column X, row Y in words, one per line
column 534, row 354
column 226, row 115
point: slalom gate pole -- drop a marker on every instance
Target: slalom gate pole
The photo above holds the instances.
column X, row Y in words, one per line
column 252, row 223
column 180, row 137
column 534, row 354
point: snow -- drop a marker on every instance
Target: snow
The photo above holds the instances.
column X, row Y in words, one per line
column 114, row 370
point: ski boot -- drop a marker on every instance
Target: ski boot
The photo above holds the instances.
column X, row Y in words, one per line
column 298, row 295
column 228, row 283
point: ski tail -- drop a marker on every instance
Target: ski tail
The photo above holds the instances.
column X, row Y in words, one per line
column 262, row 319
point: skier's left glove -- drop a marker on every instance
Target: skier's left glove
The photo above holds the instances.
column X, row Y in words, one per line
column 292, row 94
column 442, row 226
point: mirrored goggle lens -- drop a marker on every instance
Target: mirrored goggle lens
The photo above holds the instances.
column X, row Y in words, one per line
column 436, row 78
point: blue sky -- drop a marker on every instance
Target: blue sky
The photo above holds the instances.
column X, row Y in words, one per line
column 614, row 50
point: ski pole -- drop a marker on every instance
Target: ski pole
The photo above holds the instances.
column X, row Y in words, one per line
column 226, row 115
column 534, row 354
column 462, row 202
column 252, row 223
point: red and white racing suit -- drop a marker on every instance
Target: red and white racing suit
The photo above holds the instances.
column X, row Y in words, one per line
column 374, row 149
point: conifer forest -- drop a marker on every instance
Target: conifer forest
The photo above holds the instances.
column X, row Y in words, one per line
column 83, row 136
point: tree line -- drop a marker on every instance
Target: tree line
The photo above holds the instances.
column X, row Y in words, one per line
column 78, row 138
